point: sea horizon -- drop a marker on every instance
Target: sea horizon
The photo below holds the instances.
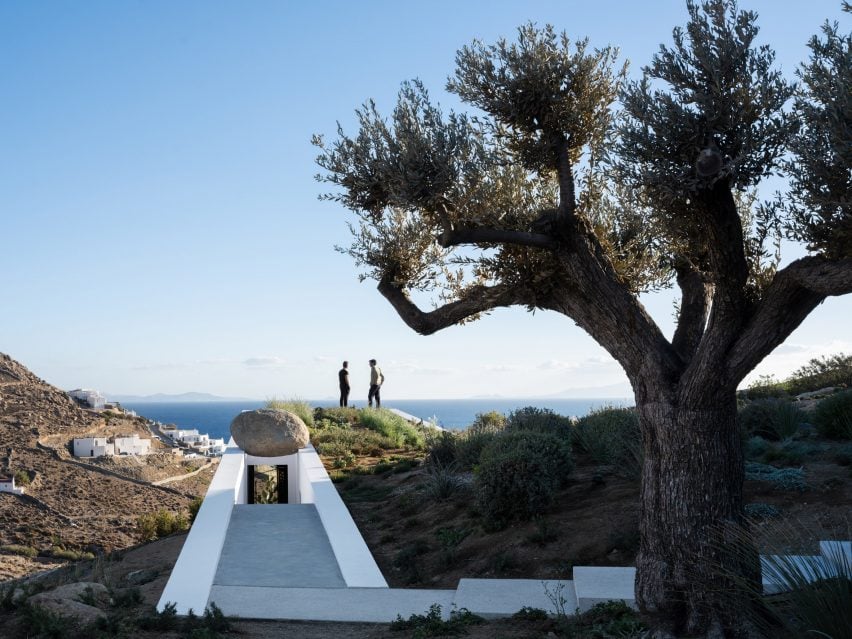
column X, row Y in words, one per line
column 214, row 417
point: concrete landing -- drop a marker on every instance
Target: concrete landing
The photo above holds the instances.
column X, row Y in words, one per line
column 373, row 605
column 277, row 546
column 595, row 585
column 504, row 597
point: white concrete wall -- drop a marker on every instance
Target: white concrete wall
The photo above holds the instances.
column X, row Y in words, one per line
column 192, row 576
column 354, row 558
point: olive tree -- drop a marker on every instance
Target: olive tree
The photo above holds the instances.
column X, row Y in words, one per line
column 569, row 188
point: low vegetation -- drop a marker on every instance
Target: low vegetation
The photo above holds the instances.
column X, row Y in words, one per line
column 432, row 624
column 161, row 524
column 532, row 493
column 821, row 372
column 519, row 473
column 297, row 406
column 833, row 416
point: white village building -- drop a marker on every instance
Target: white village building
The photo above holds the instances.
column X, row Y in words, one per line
column 7, row 485
column 193, row 439
column 131, row 445
column 91, row 397
column 93, row 447
column 120, row 445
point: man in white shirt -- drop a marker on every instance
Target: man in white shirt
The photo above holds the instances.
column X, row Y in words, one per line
column 376, row 381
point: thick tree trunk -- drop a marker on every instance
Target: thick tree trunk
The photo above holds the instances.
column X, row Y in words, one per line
column 692, row 480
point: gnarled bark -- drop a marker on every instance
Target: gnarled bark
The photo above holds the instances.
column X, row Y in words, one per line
column 692, row 478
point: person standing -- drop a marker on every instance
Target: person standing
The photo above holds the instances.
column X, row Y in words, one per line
column 343, row 376
column 376, row 381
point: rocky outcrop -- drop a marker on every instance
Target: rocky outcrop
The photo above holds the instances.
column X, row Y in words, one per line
column 269, row 432
column 76, row 600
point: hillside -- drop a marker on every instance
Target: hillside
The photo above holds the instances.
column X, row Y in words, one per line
column 70, row 505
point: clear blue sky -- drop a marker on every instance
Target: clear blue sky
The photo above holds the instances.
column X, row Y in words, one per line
column 160, row 228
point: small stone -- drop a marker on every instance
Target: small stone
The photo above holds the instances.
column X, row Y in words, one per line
column 141, row 577
column 269, row 432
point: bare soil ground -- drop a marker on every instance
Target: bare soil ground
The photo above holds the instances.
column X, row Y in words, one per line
column 419, row 542
column 72, row 504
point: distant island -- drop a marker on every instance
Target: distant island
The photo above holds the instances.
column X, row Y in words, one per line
column 181, row 397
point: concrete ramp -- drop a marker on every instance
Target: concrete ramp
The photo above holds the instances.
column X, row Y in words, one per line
column 277, row 546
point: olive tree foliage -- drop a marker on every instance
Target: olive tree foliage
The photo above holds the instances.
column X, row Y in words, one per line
column 708, row 110
column 821, row 167
column 566, row 179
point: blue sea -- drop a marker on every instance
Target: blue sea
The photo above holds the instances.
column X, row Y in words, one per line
column 215, row 418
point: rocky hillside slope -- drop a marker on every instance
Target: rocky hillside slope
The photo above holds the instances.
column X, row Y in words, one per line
column 68, row 505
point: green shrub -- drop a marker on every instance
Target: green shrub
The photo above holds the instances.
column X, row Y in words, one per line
column 469, row 445
column 822, row 373
column 541, row 420
column 783, row 478
column 297, row 406
column 772, row 419
column 441, row 481
column 766, row 386
column 162, row 523
column 17, row 549
column 441, row 445
column 22, row 478
column 833, row 416
column 519, row 473
column 491, row 422
column 43, row 623
column 608, row 619
column 194, row 507
column 432, row 623
column 528, row 613
column 68, row 554
column 392, row 426
column 755, row 447
column 162, row 621
column 611, row 435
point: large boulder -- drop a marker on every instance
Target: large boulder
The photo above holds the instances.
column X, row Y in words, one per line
column 79, row 600
column 269, row 432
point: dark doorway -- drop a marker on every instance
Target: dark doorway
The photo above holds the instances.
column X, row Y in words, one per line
column 283, row 484
column 267, row 484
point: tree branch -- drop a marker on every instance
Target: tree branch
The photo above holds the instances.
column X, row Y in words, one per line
column 694, row 308
column 794, row 293
column 567, row 197
column 454, row 237
column 478, row 300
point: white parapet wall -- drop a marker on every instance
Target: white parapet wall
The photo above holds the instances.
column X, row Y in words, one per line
column 356, row 562
column 192, row 576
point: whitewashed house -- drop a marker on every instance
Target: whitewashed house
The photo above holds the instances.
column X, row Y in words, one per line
column 216, row 447
column 7, row 485
column 93, row 447
column 183, row 435
column 90, row 397
column 131, row 445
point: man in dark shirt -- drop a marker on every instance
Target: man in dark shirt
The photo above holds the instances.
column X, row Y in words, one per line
column 343, row 376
